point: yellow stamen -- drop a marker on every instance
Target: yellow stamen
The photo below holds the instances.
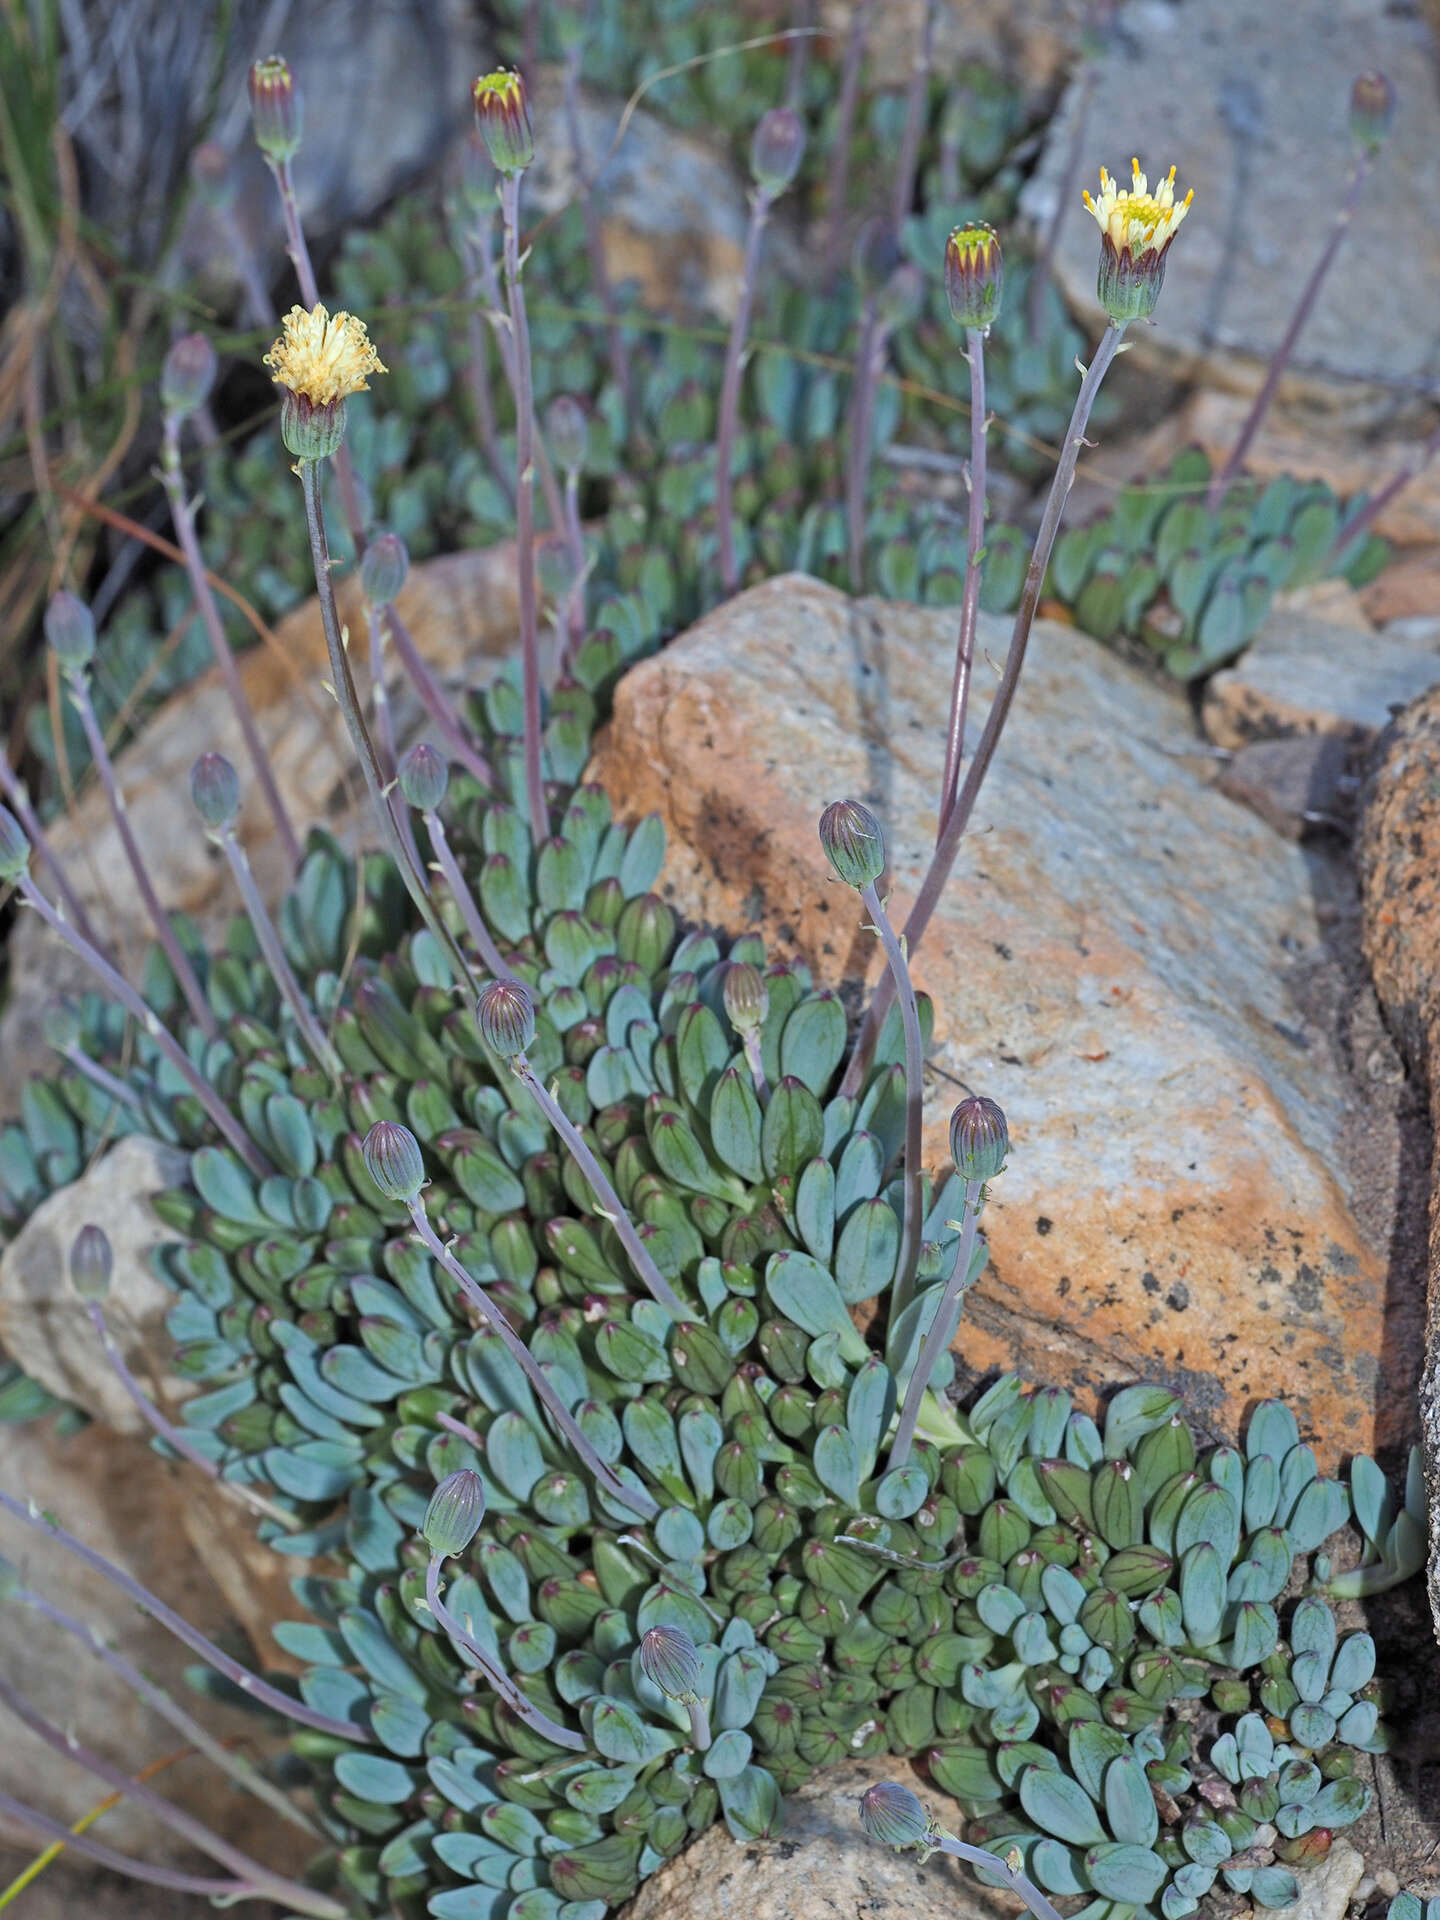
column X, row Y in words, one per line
column 1132, row 218
column 323, row 356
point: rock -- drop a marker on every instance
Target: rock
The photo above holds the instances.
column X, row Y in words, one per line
column 44, row 1324
column 1398, row 856
column 1113, row 962
column 1300, row 675
column 121, row 1499
column 1295, row 785
column 462, row 610
column 820, row 1865
column 1408, row 589
column 1031, row 41
column 1326, row 1890
column 1173, row 86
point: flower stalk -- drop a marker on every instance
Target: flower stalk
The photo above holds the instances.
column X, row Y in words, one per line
column 18, row 800
column 914, row 1210
column 941, row 1330
column 594, row 234
column 838, row 188
column 519, row 1703
column 977, row 480
column 916, row 101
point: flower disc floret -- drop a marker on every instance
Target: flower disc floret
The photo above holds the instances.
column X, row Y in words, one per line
column 323, row 356
column 1136, row 229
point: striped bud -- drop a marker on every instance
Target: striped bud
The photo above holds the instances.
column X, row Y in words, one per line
column 394, row 1161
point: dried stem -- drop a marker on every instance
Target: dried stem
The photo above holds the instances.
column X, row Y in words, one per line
column 914, row 1213
column 941, row 1331
column 519, row 1703
column 1363, row 517
column 633, row 1497
column 77, row 684
column 948, row 844
column 349, row 703
column 222, row 1891
column 19, row 803
column 1281, row 357
column 838, row 191
column 610, row 1203
column 916, row 100
column 760, row 204
column 594, row 234
column 970, row 598
column 173, row 479
column 120, row 989
column 869, row 359
column 250, row 1684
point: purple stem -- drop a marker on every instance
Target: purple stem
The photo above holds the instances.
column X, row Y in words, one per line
column 433, row 698
column 633, row 1497
column 755, row 1060
column 525, row 509
column 760, row 203
column 495, row 313
column 19, row 802
column 273, row 1886
column 103, row 1856
column 916, row 100
column 173, row 1436
column 914, row 1213
column 869, row 359
column 117, row 985
column 250, row 1684
column 839, row 187
column 1044, row 266
column 1017, row 1881
column 594, row 235
column 194, row 993
column 1364, row 516
column 268, row 940
column 348, row 700
column 1281, row 357
column 174, row 483
column 477, row 377
column 310, row 293
column 235, row 1765
column 388, row 750
column 474, row 924
column 575, row 600
column 99, row 1077
column 242, row 256
column 519, row 1703
column 798, row 65
column 970, row 598
column 948, row 844
column 610, row 1205
column 941, row 1332
column 459, row 1429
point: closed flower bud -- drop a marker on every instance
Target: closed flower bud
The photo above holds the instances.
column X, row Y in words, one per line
column 746, row 996
column 505, row 1015
column 979, row 1139
column 894, row 1816
column 854, row 843
column 384, row 569
column 776, row 150
column 212, row 176
column 670, row 1661
column 974, row 276
column 14, row 848
column 187, row 375
column 1372, row 108
column 60, row 1026
column 393, row 1160
column 424, row 776
column 70, row 630
column 275, row 109
column 502, row 113
column 568, row 431
column 453, row 1516
column 91, row 1264
column 215, row 789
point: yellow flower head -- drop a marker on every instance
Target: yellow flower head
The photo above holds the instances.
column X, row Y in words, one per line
column 1136, row 228
column 323, row 357
column 1135, row 220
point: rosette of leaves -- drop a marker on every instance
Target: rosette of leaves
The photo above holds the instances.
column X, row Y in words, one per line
column 1192, row 585
column 1394, row 1534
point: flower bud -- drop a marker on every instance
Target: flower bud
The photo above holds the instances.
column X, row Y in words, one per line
column 456, row 1509
column 974, row 276
column 384, row 569
column 568, row 431
column 14, row 849
column 746, row 996
column 777, row 150
column 979, row 1139
column 215, row 789
column 187, row 375
column 1372, row 108
column 60, row 1025
column 894, row 1816
column 70, row 630
column 502, row 113
column 1136, row 230
column 91, row 1264
column 853, row 842
column 505, row 1015
column 670, row 1660
column 424, row 777
column 275, row 109
column 393, row 1160
column 311, row 431
column 212, row 176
